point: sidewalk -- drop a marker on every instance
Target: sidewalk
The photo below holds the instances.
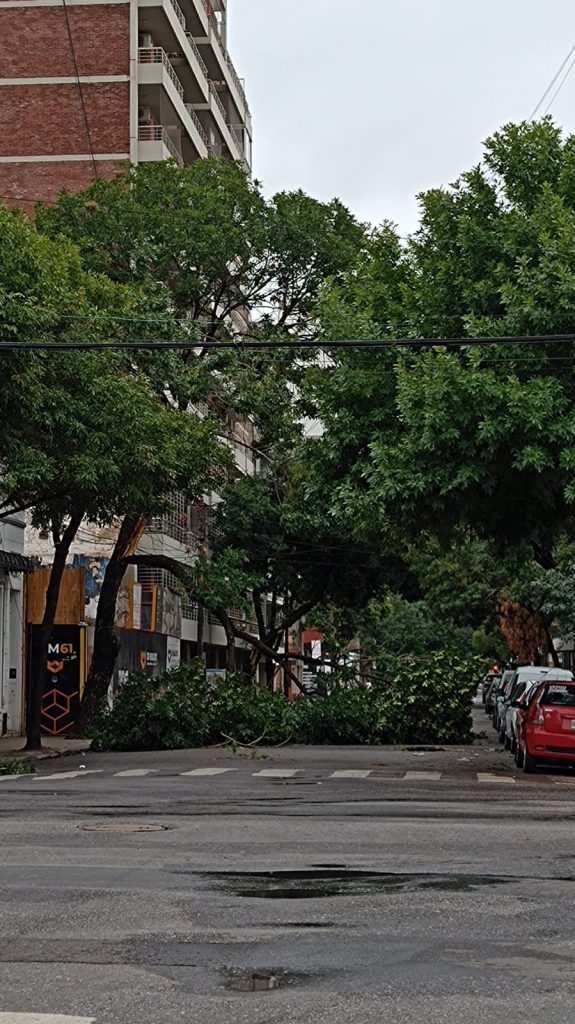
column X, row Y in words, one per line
column 52, row 746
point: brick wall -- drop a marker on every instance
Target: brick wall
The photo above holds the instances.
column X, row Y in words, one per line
column 27, row 184
column 48, row 120
column 36, row 42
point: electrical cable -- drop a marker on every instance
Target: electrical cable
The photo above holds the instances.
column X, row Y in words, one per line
column 560, row 86
column 79, row 84
column 551, row 84
column 414, row 344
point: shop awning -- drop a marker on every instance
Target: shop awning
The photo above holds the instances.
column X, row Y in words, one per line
column 10, row 561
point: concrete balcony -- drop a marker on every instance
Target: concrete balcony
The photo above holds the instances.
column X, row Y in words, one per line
column 214, row 39
column 154, row 144
column 230, row 135
column 156, row 70
column 154, row 55
column 166, row 23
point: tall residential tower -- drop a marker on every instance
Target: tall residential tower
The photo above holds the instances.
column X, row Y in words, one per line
column 87, row 85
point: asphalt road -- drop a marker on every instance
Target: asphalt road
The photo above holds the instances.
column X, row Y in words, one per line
column 421, row 885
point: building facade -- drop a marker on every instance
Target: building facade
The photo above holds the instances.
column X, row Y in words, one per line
column 88, row 85
column 13, row 569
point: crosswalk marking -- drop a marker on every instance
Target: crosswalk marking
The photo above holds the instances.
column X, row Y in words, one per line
column 392, row 776
column 422, row 776
column 68, row 775
column 489, row 777
column 43, row 1018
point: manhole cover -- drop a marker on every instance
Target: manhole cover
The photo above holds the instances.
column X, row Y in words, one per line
column 124, row 827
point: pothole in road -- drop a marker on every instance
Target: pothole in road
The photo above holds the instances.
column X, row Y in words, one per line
column 119, row 826
column 260, row 981
column 425, row 750
column 305, row 885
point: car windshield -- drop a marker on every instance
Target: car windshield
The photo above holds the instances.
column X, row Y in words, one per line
column 519, row 690
column 558, row 694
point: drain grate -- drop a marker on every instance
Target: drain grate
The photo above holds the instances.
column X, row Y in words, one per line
column 124, row 827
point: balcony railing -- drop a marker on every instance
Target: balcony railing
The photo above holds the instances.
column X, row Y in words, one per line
column 237, row 80
column 155, row 55
column 199, row 126
column 179, row 12
column 157, row 133
column 218, row 101
column 216, row 27
column 198, row 55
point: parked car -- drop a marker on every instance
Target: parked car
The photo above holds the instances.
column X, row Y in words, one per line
column 517, row 703
column 525, row 673
column 487, row 681
column 490, row 694
column 503, row 689
column 546, row 727
column 520, row 698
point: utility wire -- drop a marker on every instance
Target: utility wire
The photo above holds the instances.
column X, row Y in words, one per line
column 241, row 346
column 553, row 81
column 560, row 86
column 79, row 84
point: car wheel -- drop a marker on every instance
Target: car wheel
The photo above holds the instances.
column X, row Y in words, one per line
column 518, row 756
column 507, row 742
column 529, row 763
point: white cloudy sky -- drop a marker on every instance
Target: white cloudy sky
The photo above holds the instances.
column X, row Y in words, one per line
column 376, row 100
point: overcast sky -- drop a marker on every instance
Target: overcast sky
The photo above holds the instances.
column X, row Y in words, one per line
column 377, row 100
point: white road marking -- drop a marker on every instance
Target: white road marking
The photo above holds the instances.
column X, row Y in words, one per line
column 351, row 773
column 422, row 776
column 43, row 1018
column 488, row 777
column 134, row 773
column 208, row 771
column 276, row 773
column 8, row 778
column 563, row 782
column 67, row 775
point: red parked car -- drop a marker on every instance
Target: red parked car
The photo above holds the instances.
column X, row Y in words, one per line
column 546, row 725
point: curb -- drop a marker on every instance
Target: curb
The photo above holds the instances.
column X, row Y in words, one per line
column 26, row 757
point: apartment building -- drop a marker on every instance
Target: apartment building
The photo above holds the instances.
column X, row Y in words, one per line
column 87, row 85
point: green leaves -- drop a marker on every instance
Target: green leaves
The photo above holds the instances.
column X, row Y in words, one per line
column 419, row 701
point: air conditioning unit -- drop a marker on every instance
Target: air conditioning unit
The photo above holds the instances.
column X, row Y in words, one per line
column 145, row 115
column 145, row 40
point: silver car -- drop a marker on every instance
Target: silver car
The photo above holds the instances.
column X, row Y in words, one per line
column 508, row 684
column 520, row 697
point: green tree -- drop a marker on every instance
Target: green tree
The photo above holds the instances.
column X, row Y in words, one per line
column 229, row 265
column 83, row 434
column 426, row 440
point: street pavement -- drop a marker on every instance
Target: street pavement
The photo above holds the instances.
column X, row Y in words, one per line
column 288, row 886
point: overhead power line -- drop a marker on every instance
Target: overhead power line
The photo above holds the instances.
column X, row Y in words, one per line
column 242, row 346
column 552, row 83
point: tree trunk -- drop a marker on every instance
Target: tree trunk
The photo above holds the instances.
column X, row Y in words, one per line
column 277, row 658
column 106, row 645
column 231, row 659
column 40, row 647
column 551, row 648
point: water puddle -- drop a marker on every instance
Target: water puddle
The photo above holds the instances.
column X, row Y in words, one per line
column 322, row 884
